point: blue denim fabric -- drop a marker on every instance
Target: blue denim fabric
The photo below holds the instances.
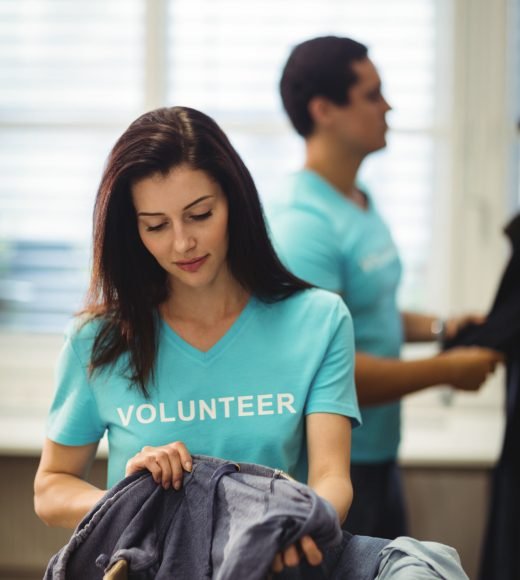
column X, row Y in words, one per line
column 356, row 558
column 227, row 522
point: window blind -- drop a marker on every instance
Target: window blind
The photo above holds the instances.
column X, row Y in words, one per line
column 72, row 76
column 226, row 58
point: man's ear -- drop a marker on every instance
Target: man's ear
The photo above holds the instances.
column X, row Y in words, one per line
column 321, row 110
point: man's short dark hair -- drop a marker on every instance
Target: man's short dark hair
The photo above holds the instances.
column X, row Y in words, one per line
column 318, row 67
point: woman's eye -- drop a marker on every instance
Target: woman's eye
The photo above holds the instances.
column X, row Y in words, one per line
column 155, row 228
column 201, row 216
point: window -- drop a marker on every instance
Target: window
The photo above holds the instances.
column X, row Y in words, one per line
column 71, row 78
column 73, row 75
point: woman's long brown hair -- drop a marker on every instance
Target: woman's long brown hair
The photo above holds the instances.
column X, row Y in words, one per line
column 127, row 284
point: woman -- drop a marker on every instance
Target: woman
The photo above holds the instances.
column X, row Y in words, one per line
column 195, row 339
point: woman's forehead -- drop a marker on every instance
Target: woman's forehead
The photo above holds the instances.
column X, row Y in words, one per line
column 180, row 188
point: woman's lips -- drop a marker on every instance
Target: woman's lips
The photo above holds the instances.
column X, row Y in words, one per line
column 192, row 265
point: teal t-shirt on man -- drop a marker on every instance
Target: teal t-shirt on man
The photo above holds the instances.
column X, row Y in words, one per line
column 327, row 240
column 245, row 399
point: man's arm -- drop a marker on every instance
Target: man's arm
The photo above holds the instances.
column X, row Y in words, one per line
column 383, row 380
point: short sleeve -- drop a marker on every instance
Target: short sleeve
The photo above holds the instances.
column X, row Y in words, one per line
column 73, row 417
column 333, row 389
column 306, row 244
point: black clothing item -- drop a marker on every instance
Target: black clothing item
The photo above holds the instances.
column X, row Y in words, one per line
column 378, row 508
column 501, row 331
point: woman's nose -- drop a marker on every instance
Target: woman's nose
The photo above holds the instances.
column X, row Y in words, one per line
column 182, row 242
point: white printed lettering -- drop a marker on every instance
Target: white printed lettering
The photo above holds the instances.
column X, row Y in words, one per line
column 141, row 409
column 226, row 401
column 205, row 408
column 125, row 419
column 162, row 414
column 243, row 404
column 285, row 400
column 263, row 402
column 180, row 411
column 212, row 409
column 379, row 260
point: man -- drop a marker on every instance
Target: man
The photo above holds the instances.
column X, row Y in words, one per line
column 329, row 233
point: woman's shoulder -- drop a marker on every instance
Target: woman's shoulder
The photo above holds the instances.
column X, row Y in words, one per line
column 83, row 329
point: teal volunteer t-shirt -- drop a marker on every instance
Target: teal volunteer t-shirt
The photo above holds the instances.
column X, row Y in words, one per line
column 331, row 242
column 245, row 399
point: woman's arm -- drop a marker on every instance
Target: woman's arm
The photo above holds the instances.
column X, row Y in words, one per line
column 328, row 448
column 61, row 495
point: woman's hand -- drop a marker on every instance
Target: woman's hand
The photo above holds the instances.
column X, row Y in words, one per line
column 166, row 463
column 306, row 546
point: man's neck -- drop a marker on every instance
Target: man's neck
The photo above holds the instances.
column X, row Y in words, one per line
column 332, row 164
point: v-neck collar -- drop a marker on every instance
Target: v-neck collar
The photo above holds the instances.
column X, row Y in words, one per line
column 222, row 343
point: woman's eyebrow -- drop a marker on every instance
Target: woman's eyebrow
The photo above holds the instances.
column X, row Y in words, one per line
column 197, row 201
column 160, row 213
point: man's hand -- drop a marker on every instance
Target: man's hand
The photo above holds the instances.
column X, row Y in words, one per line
column 454, row 324
column 468, row 367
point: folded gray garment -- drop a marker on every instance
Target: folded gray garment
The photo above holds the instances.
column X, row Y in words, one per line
column 408, row 559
